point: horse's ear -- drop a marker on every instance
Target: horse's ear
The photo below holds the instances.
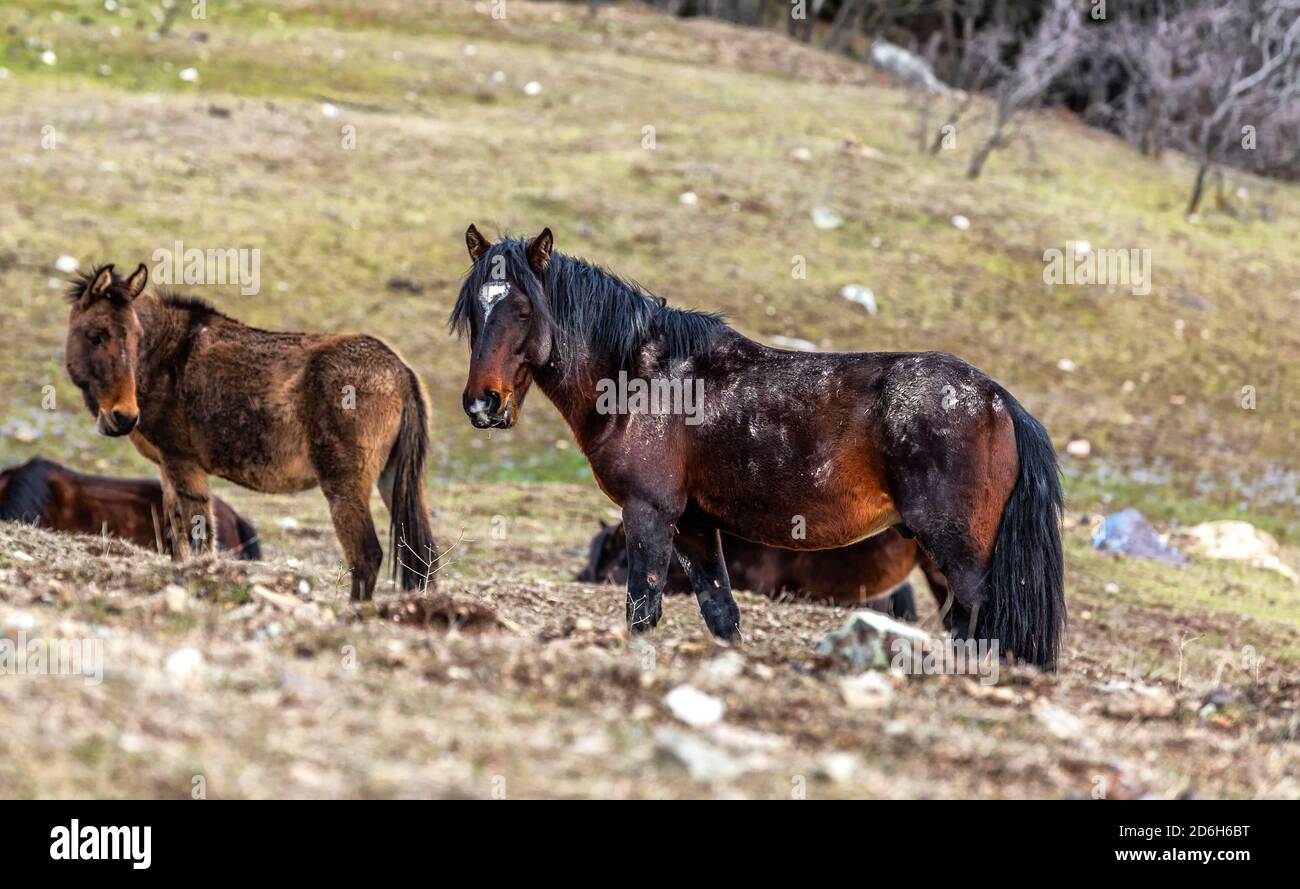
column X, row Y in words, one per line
column 477, row 244
column 135, row 283
column 99, row 285
column 539, row 252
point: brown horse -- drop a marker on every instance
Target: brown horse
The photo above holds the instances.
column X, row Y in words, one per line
column 791, row 449
column 200, row 393
column 871, row 572
column 49, row 494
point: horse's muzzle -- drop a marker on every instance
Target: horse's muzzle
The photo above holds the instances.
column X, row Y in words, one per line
column 486, row 412
column 116, row 424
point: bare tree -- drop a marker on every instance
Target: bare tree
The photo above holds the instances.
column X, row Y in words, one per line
column 1056, row 45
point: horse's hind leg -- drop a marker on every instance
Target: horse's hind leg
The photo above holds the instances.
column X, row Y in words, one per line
column 350, row 511
column 700, row 552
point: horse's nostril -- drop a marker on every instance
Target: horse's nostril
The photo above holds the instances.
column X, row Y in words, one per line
column 123, row 421
column 494, row 402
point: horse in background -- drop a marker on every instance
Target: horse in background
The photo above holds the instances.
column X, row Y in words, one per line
column 792, row 449
column 872, row 572
column 201, row 394
column 48, row 494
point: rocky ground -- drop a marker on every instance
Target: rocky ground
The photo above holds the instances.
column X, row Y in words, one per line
column 236, row 679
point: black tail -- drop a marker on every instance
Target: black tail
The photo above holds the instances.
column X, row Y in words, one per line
column 249, row 547
column 1025, row 608
column 410, row 538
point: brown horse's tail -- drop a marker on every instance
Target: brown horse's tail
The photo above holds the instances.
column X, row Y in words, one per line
column 410, row 538
column 1025, row 609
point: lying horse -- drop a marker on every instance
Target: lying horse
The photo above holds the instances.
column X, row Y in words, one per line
column 791, row 449
column 200, row 393
column 42, row 492
column 871, row 572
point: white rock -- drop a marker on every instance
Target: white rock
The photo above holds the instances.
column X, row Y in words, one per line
column 839, row 767
column 183, row 663
column 961, row 223
column 66, row 264
column 826, row 218
column 801, row 154
column 1111, row 588
column 532, row 88
column 471, row 49
column 1058, row 721
column 694, row 707
column 1078, row 448
column 689, row 198
column 856, row 293
column 189, row 75
column 728, row 665
column 702, row 760
column 329, row 109
column 866, row 691
column 1235, row 541
column 49, row 58
column 288, row 523
column 1066, row 365
column 176, row 597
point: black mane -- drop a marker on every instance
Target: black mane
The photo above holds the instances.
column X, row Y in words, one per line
column 592, row 312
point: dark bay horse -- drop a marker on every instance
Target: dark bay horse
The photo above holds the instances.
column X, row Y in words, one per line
column 200, row 393
column 49, row 494
column 790, row 449
column 871, row 572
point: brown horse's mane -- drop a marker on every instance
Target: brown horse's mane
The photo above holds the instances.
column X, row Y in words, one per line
column 77, row 289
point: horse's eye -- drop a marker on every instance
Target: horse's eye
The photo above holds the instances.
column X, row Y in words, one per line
column 95, row 339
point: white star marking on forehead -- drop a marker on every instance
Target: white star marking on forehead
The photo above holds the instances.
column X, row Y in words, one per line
column 491, row 294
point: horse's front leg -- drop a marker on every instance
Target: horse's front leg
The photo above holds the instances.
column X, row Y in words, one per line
column 649, row 531
column 700, row 552
column 189, row 509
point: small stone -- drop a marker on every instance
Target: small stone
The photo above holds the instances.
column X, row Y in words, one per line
column 177, row 598
column 826, row 218
column 694, row 707
column 1079, row 448
column 838, row 767
column 66, row 264
column 183, row 663
column 689, row 198
column 961, row 223
column 189, row 75
column 866, row 691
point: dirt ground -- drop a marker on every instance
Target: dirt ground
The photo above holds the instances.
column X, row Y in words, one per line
column 235, row 679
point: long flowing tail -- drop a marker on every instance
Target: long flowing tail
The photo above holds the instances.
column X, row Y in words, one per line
column 414, row 553
column 1025, row 608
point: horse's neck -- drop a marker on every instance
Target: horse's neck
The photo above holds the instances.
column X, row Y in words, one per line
column 165, row 331
column 573, row 392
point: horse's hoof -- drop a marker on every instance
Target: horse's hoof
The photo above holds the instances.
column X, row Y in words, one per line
column 724, row 624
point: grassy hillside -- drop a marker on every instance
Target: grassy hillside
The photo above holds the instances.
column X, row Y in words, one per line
column 445, row 134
